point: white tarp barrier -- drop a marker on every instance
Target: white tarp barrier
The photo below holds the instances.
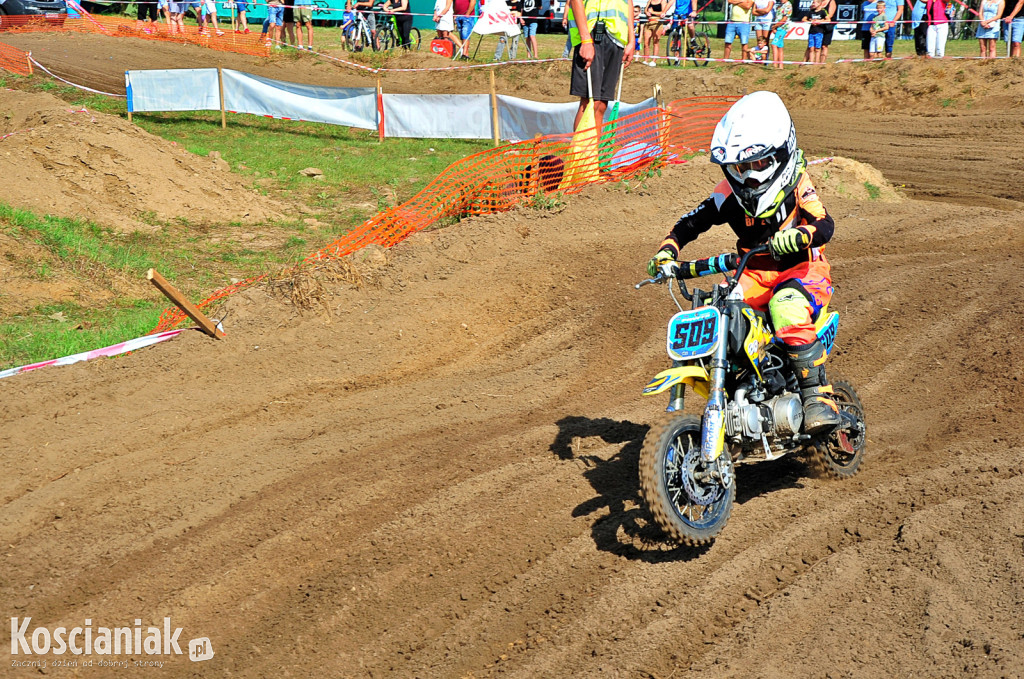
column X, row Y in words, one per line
column 438, row 116
column 197, row 89
column 179, row 89
column 348, row 106
column 522, row 119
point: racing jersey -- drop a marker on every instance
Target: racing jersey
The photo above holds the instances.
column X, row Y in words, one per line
column 802, row 208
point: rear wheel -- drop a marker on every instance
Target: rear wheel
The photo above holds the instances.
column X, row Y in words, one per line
column 686, row 501
column 673, row 47
column 414, row 39
column 841, row 454
column 386, row 40
column 699, row 50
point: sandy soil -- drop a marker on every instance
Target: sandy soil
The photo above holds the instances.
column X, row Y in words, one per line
column 435, row 473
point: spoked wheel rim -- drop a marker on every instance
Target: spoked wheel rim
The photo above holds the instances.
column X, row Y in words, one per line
column 702, row 53
column 698, row 502
column 846, row 444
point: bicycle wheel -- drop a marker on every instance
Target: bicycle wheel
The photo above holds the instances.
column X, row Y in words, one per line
column 673, row 46
column 386, row 39
column 699, row 49
column 414, row 39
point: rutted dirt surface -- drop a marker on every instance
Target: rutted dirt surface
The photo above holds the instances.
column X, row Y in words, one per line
column 436, row 476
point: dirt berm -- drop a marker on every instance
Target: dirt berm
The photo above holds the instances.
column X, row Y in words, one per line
column 433, row 471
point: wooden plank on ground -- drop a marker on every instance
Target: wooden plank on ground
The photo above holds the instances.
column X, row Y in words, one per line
column 180, row 301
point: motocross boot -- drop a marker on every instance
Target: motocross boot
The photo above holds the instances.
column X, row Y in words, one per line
column 820, row 411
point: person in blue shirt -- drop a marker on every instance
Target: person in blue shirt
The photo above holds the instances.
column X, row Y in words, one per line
column 868, row 12
column 920, row 27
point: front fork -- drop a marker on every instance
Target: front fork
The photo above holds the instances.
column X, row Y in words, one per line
column 712, row 441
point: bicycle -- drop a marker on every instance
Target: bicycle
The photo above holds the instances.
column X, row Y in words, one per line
column 389, row 37
column 356, row 32
column 698, row 48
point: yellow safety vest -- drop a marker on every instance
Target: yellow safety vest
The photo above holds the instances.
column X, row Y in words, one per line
column 614, row 14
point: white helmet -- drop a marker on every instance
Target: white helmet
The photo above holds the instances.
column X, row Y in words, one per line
column 755, row 143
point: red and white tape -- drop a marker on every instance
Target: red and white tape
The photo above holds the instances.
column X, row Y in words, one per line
column 112, row 350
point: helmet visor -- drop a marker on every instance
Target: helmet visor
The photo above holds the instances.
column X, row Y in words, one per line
column 753, row 173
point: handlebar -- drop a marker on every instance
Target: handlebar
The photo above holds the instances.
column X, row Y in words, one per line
column 719, row 264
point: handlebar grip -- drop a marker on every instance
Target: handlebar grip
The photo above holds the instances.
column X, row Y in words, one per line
column 709, row 266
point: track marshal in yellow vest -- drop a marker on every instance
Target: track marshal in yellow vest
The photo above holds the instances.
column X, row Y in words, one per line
column 601, row 45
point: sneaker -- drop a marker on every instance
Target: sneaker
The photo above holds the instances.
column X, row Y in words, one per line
column 220, row 32
column 246, row 31
column 277, row 47
column 237, row 31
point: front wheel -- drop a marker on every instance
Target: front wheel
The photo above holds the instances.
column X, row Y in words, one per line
column 385, row 39
column 686, row 501
column 841, row 454
column 414, row 39
column 673, row 47
column 699, row 49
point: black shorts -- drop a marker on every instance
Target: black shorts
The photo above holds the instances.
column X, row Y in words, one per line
column 289, row 14
column 604, row 71
column 826, row 34
column 865, row 39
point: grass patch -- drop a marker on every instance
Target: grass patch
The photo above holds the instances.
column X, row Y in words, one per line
column 59, row 330
column 360, row 176
column 810, row 82
column 874, row 193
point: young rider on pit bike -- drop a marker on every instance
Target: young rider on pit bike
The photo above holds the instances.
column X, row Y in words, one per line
column 767, row 197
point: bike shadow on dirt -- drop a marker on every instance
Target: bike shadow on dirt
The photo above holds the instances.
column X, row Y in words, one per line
column 623, row 526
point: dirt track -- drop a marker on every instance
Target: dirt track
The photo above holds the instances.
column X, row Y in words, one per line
column 440, row 478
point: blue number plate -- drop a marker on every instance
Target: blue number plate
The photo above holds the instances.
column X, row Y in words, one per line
column 692, row 334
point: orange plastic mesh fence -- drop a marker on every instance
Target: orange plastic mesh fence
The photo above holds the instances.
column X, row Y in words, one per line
column 125, row 27
column 14, row 60
column 501, row 178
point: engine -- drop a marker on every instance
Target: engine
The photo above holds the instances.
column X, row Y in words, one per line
column 776, row 417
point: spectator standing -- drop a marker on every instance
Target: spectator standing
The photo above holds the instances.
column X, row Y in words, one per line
column 828, row 28
column 444, row 23
column 653, row 30
column 868, row 12
column 241, row 8
column 147, row 10
column 1014, row 20
column 400, row 8
column 273, row 23
column 988, row 26
column 209, row 16
column 938, row 28
column 763, row 11
column 603, row 43
column 879, row 26
column 568, row 38
column 516, row 10
column 893, row 14
column 164, row 7
column 816, row 34
column 531, row 22
column 920, row 27
column 288, row 17
column 783, row 12
column 177, row 12
column 464, row 20
column 738, row 24
column 304, row 15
